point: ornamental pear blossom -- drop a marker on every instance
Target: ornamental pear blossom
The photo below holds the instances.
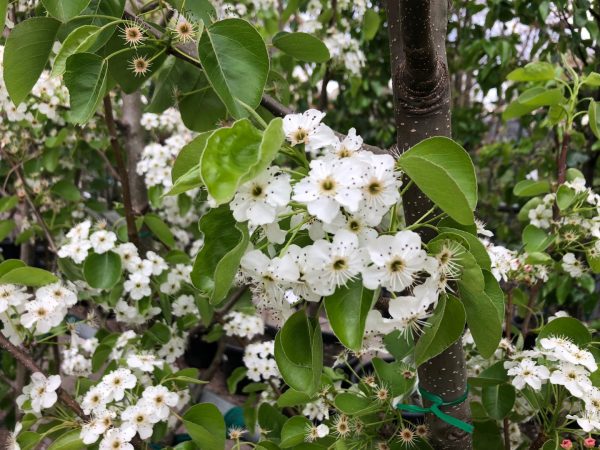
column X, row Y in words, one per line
column 103, row 241
column 159, row 399
column 358, row 223
column 146, row 362
column 101, row 421
column 333, row 264
column 396, row 261
column 574, row 378
column 56, row 292
column 184, row 304
column 138, row 286
column 12, row 295
column 118, row 439
column 329, row 186
column 158, row 263
column 80, row 231
column 380, row 184
column 540, row 216
column 95, row 399
column 43, row 391
column 172, row 349
column 572, row 265
column 141, row 418
column 527, row 372
column 307, row 129
column 588, row 421
column 243, row 325
column 300, row 289
column 117, row 381
column 76, row 250
column 270, row 273
column 43, row 314
column 259, row 200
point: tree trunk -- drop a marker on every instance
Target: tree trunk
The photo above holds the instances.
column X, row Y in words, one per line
column 417, row 35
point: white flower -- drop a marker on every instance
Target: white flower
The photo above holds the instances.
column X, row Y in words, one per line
column 103, row 241
column 322, row 430
column 270, row 274
column 243, row 325
column 95, row 399
column 396, row 261
column 540, row 216
column 118, row 439
column 80, row 231
column 172, row 349
column 43, row 314
column 117, row 381
column 578, row 185
column 588, row 421
column 380, row 185
column 101, row 421
column 527, row 372
column 141, row 418
column 574, row 378
column 333, row 264
column 128, row 253
column 11, row 295
column 184, row 304
column 146, row 362
column 43, row 391
column 58, row 293
column 349, row 146
column 158, row 264
column 159, row 398
column 307, row 129
column 76, row 250
column 572, row 265
column 329, row 186
column 138, row 286
column 259, row 200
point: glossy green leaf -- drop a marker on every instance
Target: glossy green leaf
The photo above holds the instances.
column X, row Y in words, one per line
column 65, row 10
column 476, row 247
column 102, row 271
column 353, row 404
column 101, row 356
column 371, row 22
column 203, row 96
column 565, row 196
column 347, row 311
column 494, row 292
column 293, row 431
column 493, row 375
column 8, row 202
column 196, row 10
column 76, row 42
column 238, row 374
column 445, row 327
column 531, row 188
column 67, row 190
column 515, row 110
column 28, row 276
column 535, row 71
column 85, row 77
column 594, row 117
column 292, row 397
column 189, row 156
column 10, row 264
column 302, row 46
column 235, row 61
column 399, row 344
column 487, row 436
column 498, row 400
column 391, row 375
column 6, row 227
column 68, row 441
column 206, row 426
column 540, row 96
column 568, row 327
column 3, row 8
column 299, row 353
column 536, row 239
column 216, row 264
column 26, row 53
column 482, row 320
column 443, row 170
column 593, row 79
column 160, row 229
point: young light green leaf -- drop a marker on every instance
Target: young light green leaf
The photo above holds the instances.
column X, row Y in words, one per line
column 85, row 77
column 189, row 156
column 593, row 79
column 28, row 276
column 535, row 71
column 594, row 117
column 443, row 170
column 68, row 441
column 26, row 53
column 235, row 60
column 76, row 42
column 302, row 46
column 565, row 196
column 536, row 239
column 371, row 22
column 102, row 270
column 540, row 96
column 347, row 311
column 531, row 188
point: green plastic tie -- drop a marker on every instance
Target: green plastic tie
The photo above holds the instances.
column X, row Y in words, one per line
column 436, row 402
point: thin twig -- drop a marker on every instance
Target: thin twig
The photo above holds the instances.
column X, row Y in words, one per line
column 114, row 142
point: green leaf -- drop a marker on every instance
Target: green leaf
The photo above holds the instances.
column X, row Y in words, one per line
column 235, row 60
column 399, row 344
column 100, row 356
column 6, row 227
column 392, row 376
column 10, row 264
column 347, row 311
column 159, row 332
column 293, row 431
column 67, row 190
column 292, row 397
column 196, row 10
column 536, row 239
column 535, row 71
column 443, row 170
column 76, row 42
column 28, row 276
column 483, row 321
column 493, row 375
column 216, row 264
column 238, row 374
column 446, row 327
column 65, row 10
column 206, row 426
column 299, row 353
column 85, row 77
column 28, row 440
column 269, row 418
column 565, row 196
column 201, row 96
column 498, row 400
column 540, row 96
column 516, row 109
column 8, row 202
column 160, row 229
column 566, row 327
column 237, row 154
column 594, row 116
column 371, row 22
column 102, row 271
column 487, row 436
column 68, row 441
column 476, row 247
column 189, row 156
column 3, row 8
column 593, row 260
column 354, row 405
column 593, row 79
column 531, row 188
column 25, row 55
column 494, row 292
column 302, row 46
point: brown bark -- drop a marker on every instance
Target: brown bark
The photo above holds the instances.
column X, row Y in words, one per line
column 417, row 34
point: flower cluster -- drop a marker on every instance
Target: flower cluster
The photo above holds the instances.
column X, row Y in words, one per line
column 40, row 393
column 260, row 361
column 243, row 325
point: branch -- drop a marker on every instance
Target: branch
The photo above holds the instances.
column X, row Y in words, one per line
column 114, row 142
column 27, row 361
